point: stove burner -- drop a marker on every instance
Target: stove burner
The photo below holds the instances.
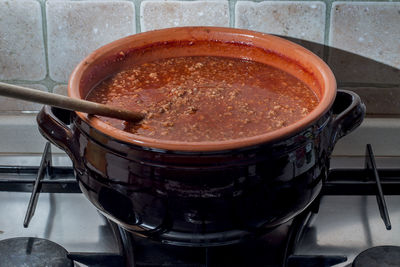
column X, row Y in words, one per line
column 382, row 256
column 34, row 252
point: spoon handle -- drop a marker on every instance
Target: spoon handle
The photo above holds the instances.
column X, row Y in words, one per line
column 60, row 101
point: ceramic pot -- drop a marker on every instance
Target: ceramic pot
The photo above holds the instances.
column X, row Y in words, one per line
column 202, row 193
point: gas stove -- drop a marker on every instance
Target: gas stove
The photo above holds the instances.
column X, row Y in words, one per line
column 47, row 219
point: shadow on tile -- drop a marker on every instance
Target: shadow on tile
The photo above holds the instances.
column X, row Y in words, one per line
column 378, row 84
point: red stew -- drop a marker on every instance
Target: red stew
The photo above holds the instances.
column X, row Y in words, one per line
column 206, row 98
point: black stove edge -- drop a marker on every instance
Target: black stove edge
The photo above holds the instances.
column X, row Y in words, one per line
column 97, row 259
column 343, row 182
column 314, row 260
column 339, row 182
column 296, row 230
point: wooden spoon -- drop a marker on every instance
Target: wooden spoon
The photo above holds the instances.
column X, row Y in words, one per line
column 32, row 95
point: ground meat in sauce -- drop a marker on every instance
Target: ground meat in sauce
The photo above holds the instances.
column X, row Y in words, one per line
column 205, row 98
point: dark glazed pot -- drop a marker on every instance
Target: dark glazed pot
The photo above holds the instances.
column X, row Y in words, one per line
column 202, row 193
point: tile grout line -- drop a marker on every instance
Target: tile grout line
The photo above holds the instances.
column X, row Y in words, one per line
column 331, row 1
column 328, row 12
column 47, row 81
column 137, row 4
column 44, row 34
column 232, row 13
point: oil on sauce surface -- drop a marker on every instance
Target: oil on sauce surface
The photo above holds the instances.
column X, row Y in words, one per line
column 205, row 98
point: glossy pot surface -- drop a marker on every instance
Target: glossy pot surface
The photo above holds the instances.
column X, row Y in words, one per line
column 210, row 193
column 204, row 41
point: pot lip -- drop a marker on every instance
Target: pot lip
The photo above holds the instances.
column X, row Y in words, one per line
column 324, row 105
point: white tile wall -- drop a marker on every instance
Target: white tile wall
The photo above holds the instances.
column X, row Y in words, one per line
column 22, row 54
column 370, row 29
column 164, row 14
column 60, row 89
column 368, row 36
column 74, row 29
column 304, row 20
column 41, row 41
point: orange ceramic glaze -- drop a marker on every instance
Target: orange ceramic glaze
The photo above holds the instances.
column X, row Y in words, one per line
column 203, row 193
column 204, row 41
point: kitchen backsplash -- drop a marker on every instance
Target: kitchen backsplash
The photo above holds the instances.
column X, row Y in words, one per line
column 41, row 41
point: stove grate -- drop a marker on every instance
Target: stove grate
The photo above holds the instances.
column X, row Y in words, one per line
column 367, row 181
column 50, row 179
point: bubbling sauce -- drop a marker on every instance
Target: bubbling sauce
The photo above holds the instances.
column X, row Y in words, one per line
column 205, row 98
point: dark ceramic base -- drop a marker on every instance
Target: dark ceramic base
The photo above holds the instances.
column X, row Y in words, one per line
column 202, row 198
column 204, row 222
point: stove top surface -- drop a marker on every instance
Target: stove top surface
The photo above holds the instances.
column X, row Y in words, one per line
column 16, row 252
column 332, row 233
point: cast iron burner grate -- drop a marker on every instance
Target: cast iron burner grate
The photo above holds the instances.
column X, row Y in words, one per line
column 33, row 252
column 382, row 256
column 367, row 181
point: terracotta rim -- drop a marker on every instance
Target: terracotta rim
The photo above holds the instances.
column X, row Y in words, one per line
column 329, row 83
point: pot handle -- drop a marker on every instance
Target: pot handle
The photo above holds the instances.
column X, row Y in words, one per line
column 348, row 113
column 53, row 125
